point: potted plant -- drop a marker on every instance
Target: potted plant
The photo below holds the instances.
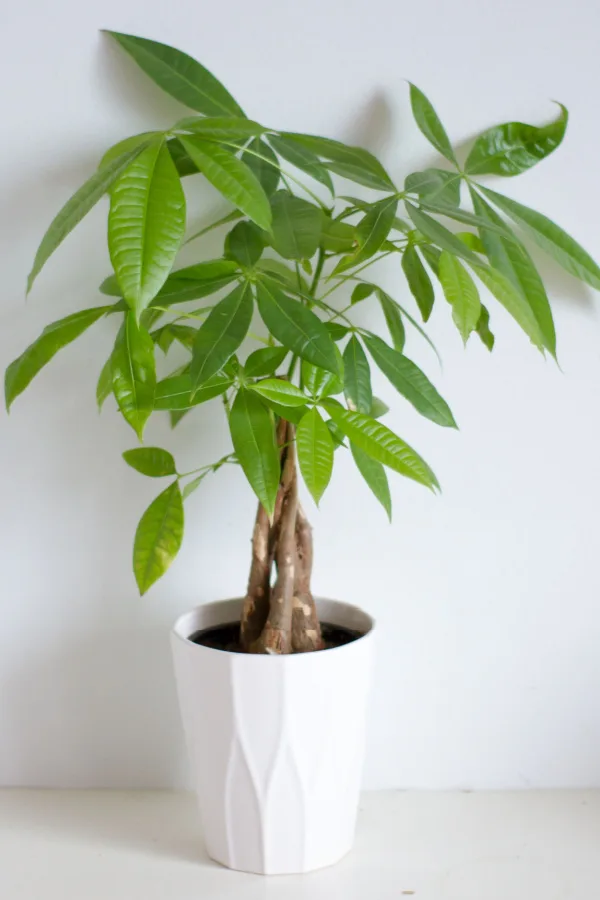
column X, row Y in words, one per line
column 273, row 686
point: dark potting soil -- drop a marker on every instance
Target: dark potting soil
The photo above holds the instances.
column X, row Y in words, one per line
column 227, row 637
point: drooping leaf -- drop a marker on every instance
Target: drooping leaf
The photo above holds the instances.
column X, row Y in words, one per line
column 227, row 129
column 467, row 218
column 418, row 280
column 432, row 255
column 337, row 331
column 180, row 76
column 375, row 476
column 282, row 392
column 373, row 229
column 429, row 124
column 320, row 382
column 253, row 435
column 245, row 244
column 357, row 377
column 151, row 461
column 354, row 163
column 158, row 537
column 264, row 164
column 514, row 147
column 135, row 142
column 24, row 369
column 231, row 177
column 303, row 159
column 104, row 385
column 381, row 444
column 134, row 373
column 221, row 334
column 82, row 201
column 315, row 453
column 175, row 392
column 146, row 224
column 512, row 300
column 483, row 329
column 435, row 185
column 461, row 293
column 296, row 327
column 439, row 235
column 296, row 226
column 280, row 272
column 264, row 361
column 410, row 381
column 393, row 320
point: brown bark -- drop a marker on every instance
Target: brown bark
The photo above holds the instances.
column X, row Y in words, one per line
column 306, row 630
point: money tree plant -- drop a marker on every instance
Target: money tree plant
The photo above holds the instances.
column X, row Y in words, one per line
column 299, row 254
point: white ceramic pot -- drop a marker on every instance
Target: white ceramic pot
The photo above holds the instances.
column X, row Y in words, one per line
column 276, row 742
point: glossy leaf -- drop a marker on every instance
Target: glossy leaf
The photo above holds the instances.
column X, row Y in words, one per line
column 512, row 300
column 393, row 320
column 244, row 244
column 104, row 385
column 514, row 147
column 264, row 361
column 483, row 329
column 418, row 280
column 381, row 444
column 551, row 238
column 253, row 436
column 220, row 128
column 221, row 334
column 180, row 76
column 354, row 163
column 158, row 537
column 231, row 177
column 134, row 373
column 461, row 293
column 296, row 227
column 410, row 381
column 429, row 124
column 146, row 224
column 24, row 369
column 74, row 210
column 303, row 159
column 135, row 142
column 439, row 235
column 315, row 453
column 175, row 392
column 357, row 377
column 182, row 162
column 296, row 327
column 319, row 382
column 151, row 461
column 435, row 185
column 264, row 165
column 375, row 476
column 282, row 392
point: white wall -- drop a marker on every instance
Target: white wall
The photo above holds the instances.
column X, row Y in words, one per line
column 487, row 598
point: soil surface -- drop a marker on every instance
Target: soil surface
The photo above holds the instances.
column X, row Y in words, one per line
column 227, row 637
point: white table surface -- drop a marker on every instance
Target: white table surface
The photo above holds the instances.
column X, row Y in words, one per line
column 146, row 845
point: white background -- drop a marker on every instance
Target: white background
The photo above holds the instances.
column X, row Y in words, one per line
column 487, row 598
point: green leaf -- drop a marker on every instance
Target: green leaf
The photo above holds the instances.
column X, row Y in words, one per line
column 264, row 361
column 351, row 162
column 357, row 377
column 435, row 185
column 281, row 273
column 104, row 385
column 231, row 177
column 410, row 381
column 181, row 160
column 289, row 413
column 512, row 259
column 146, row 224
column 24, row 369
column 296, row 226
column 175, row 392
column 461, row 293
column 195, row 282
column 514, row 147
column 228, row 129
column 296, row 327
column 180, row 76
column 253, row 436
column 282, row 392
column 375, row 476
column 303, row 159
column 158, row 537
column 418, row 280
column 381, row 444
column 483, row 329
column 467, row 218
column 77, row 207
column 429, row 124
column 374, row 228
column 338, row 437
column 337, row 331
column 183, row 334
column 264, row 165
column 151, row 461
column 440, row 236
column 221, row 334
column 245, row 244
column 378, row 408
column 193, row 484
column 512, row 300
column 337, row 237
column 361, row 292
column 551, row 238
column 393, row 320
column 134, row 373
column 319, row 382
column 432, row 255
column 315, row 453
column 472, row 241
column 135, row 142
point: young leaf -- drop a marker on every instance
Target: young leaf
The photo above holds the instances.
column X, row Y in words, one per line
column 378, row 408
column 315, row 453
column 374, row 475
column 410, row 381
column 221, row 334
column 373, row 229
column 263, row 164
column 151, row 461
column 418, row 280
column 381, row 444
column 134, row 373
column 461, row 293
column 551, row 238
column 470, row 240
column 158, row 537
column 264, row 361
column 393, row 320
column 180, row 76
column 435, row 185
column 146, row 224
column 483, row 329
column 351, row 162
column 296, row 327
column 429, row 124
column 231, row 177
column 253, row 436
column 77, row 207
column 245, row 244
column 319, row 382
column 361, row 292
column 175, row 392
column 193, row 484
column 282, row 392
column 357, row 377
column 512, row 259
column 303, row 159
column 104, row 385
column 512, row 300
column 296, row 226
column 514, row 147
